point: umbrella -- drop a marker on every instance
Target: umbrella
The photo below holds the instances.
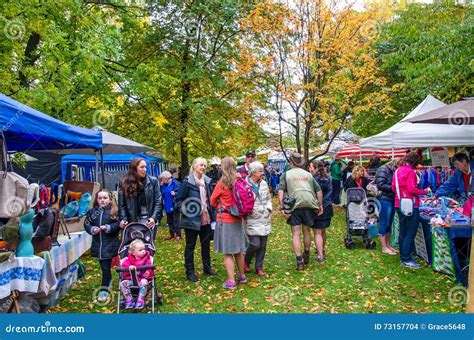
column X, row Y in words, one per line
column 458, row 113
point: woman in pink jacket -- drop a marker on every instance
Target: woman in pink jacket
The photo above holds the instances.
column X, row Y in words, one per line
column 406, row 177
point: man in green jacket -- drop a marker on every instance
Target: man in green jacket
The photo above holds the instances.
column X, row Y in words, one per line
column 336, row 175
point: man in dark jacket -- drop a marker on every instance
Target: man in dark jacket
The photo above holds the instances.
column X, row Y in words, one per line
column 386, row 197
column 461, row 183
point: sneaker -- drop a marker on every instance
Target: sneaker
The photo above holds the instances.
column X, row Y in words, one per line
column 178, row 238
column 260, row 272
column 410, row 264
column 320, row 258
column 300, row 265
column 140, row 304
column 129, row 303
column 103, row 296
column 246, row 267
column 306, row 256
column 170, row 237
column 232, row 285
column 241, row 278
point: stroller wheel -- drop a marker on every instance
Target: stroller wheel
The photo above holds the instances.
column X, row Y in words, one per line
column 349, row 244
column 370, row 245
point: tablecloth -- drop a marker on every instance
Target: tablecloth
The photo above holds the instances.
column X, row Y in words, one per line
column 60, row 257
column 22, row 274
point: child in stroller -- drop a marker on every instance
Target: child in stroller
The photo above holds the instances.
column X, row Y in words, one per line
column 136, row 271
column 137, row 256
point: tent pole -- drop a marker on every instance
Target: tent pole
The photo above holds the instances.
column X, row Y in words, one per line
column 102, row 167
column 96, row 177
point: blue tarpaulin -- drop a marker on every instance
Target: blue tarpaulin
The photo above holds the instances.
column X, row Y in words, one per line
column 25, row 128
column 112, row 164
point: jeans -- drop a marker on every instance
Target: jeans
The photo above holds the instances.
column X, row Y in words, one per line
column 336, row 191
column 387, row 213
column 172, row 219
column 407, row 233
column 256, row 248
column 205, row 235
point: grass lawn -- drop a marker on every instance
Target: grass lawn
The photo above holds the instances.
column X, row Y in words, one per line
column 349, row 281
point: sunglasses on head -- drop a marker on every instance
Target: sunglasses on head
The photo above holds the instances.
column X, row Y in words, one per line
column 250, row 156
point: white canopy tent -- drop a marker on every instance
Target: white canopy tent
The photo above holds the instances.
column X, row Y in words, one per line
column 394, row 136
column 430, row 135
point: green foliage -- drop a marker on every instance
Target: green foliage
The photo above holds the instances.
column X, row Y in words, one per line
column 157, row 72
column 428, row 49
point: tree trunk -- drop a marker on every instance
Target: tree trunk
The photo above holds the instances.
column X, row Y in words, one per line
column 30, row 58
column 184, row 114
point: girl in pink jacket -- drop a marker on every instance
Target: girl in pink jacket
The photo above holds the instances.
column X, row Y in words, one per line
column 137, row 256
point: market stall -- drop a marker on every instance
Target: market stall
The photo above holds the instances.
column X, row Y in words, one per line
column 21, row 272
column 115, row 165
column 439, row 244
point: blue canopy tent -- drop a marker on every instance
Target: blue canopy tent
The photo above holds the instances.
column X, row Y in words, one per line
column 25, row 129
column 113, row 163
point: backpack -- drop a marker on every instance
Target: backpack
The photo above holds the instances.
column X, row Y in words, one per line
column 243, row 196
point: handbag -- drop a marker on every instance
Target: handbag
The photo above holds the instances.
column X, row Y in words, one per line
column 288, row 200
column 13, row 190
column 406, row 204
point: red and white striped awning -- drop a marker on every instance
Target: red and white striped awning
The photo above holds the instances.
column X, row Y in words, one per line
column 355, row 152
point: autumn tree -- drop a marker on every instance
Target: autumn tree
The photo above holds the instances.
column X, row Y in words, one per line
column 315, row 60
column 185, row 93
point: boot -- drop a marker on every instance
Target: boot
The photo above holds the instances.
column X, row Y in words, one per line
column 190, row 273
column 306, row 256
column 207, row 269
column 299, row 263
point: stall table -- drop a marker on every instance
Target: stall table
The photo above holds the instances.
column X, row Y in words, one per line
column 45, row 277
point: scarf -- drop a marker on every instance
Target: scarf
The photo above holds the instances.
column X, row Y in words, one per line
column 205, row 218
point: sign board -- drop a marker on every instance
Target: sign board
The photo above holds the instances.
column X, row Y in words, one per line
column 439, row 156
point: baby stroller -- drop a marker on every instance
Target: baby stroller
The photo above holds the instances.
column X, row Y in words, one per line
column 131, row 232
column 357, row 219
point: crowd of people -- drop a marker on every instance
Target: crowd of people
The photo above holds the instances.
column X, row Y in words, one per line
column 204, row 205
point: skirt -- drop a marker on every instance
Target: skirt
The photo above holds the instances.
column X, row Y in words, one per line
column 230, row 238
column 323, row 221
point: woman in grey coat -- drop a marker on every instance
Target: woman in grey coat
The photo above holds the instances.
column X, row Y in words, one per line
column 258, row 224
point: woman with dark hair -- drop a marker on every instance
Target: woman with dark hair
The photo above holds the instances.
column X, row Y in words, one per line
column 139, row 197
column 404, row 186
column 323, row 221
